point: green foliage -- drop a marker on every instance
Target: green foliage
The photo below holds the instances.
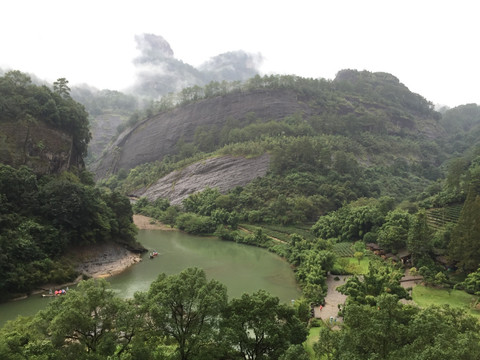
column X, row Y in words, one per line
column 98, row 102
column 182, row 316
column 187, row 308
column 195, row 224
column 202, row 203
column 41, row 216
column 463, row 247
column 344, row 249
column 393, row 234
column 381, row 278
column 259, row 326
column 351, row 222
column 21, row 100
column 472, row 283
column 390, row 330
column 419, row 241
column 322, row 159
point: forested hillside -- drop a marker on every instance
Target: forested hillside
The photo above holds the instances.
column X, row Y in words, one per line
column 209, row 118
column 361, row 158
column 361, row 135
column 331, row 166
column 48, row 201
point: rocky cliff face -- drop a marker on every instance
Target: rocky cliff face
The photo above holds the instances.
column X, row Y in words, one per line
column 223, row 173
column 37, row 146
column 154, row 138
column 103, row 129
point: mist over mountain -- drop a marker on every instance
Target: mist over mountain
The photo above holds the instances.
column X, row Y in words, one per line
column 159, row 72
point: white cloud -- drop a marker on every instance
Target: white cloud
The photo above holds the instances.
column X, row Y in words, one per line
column 431, row 46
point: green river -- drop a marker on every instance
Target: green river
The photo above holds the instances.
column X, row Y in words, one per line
column 242, row 268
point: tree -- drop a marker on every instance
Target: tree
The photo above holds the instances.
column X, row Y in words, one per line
column 259, row 327
column 393, row 234
column 374, row 332
column 441, row 333
column 21, row 339
column 359, row 256
column 472, row 283
column 419, row 241
column 89, row 319
column 325, row 347
column 295, row 352
column 186, row 308
column 61, row 87
column 381, row 278
column 463, row 246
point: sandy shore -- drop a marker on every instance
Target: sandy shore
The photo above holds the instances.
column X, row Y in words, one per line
column 146, row 223
column 104, row 260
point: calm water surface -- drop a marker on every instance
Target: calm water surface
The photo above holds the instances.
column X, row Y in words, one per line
column 243, row 269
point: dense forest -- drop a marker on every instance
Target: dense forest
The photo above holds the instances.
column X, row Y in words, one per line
column 185, row 316
column 354, row 176
column 369, row 163
column 43, row 215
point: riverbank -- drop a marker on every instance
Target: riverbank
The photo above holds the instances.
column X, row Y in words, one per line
column 147, row 223
column 104, row 260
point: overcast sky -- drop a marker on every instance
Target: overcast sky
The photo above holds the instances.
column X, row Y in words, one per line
column 433, row 47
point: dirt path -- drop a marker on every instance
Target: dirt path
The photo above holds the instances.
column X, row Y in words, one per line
column 409, row 282
column 332, row 300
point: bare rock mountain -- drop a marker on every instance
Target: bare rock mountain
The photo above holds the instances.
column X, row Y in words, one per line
column 223, row 173
column 154, row 138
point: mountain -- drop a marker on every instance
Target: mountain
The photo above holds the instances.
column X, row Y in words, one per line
column 153, row 139
column 359, row 123
column 158, row 72
column 48, row 202
column 42, row 129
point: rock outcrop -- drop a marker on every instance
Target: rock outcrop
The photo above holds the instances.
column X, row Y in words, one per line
column 37, row 146
column 224, row 173
column 154, row 138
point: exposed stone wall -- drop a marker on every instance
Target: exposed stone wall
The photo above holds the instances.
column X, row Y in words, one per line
column 224, row 173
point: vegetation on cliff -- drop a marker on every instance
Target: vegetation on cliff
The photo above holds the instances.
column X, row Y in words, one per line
column 43, row 214
column 376, row 183
column 359, row 159
column 22, row 101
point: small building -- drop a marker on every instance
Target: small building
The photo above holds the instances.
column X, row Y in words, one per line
column 390, row 256
column 405, row 256
column 373, row 246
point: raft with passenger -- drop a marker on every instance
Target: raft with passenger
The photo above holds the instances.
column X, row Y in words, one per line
column 55, row 293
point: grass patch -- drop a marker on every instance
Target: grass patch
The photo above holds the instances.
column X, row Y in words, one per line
column 311, row 339
column 425, row 296
column 357, row 268
column 350, row 266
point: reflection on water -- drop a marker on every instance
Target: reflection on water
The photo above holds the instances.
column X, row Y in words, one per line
column 243, row 269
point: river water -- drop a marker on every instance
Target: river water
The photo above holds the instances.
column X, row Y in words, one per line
column 242, row 268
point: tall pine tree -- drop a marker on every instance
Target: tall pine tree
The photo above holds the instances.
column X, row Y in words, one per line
column 419, row 241
column 464, row 247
